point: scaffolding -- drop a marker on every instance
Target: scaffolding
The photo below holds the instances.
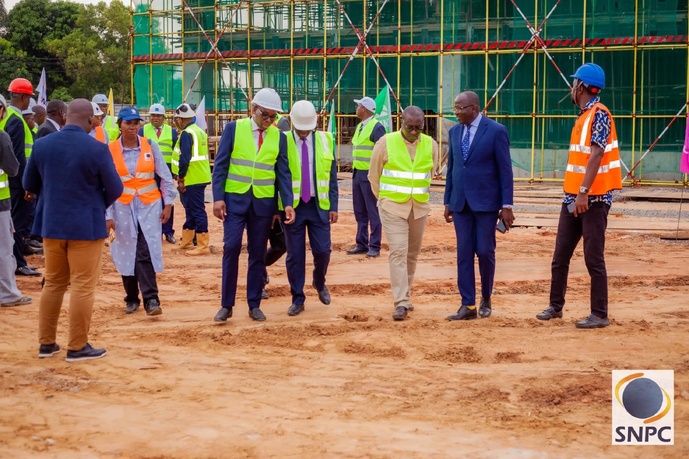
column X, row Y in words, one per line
column 429, row 51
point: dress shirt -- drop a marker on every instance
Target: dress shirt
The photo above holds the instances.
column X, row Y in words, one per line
column 309, row 146
column 473, row 127
column 57, row 126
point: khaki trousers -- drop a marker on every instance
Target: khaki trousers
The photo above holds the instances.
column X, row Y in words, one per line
column 404, row 237
column 78, row 263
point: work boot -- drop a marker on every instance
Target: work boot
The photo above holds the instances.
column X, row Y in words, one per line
column 187, row 238
column 202, row 248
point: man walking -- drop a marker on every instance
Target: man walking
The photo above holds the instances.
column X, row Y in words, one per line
column 593, row 171
column 315, row 194
column 364, row 202
column 478, row 191
column 75, row 180
column 402, row 165
column 251, row 161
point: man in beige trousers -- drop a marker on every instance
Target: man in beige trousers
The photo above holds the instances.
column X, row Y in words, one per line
column 402, row 165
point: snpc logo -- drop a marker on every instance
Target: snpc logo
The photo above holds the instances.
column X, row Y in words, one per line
column 643, row 407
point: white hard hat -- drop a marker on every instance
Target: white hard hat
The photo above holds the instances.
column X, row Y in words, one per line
column 368, row 103
column 28, row 111
column 3, row 101
column 303, row 116
column 96, row 109
column 184, row 111
column 268, row 98
column 100, row 99
column 156, row 109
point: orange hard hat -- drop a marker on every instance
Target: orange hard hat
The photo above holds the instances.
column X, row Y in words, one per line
column 21, row 86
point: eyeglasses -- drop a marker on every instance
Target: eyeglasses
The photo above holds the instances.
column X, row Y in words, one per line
column 410, row 128
column 457, row 108
column 266, row 116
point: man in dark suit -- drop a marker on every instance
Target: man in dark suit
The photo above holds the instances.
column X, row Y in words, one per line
column 75, row 180
column 57, row 113
column 250, row 161
column 314, row 186
column 478, row 192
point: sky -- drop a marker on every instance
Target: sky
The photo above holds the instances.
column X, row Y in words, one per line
column 9, row 4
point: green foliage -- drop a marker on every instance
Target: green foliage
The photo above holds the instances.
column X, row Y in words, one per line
column 61, row 93
column 12, row 64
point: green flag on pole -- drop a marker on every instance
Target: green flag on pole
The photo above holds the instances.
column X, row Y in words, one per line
column 332, row 128
column 383, row 109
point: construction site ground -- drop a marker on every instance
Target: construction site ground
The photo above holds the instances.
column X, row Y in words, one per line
column 346, row 381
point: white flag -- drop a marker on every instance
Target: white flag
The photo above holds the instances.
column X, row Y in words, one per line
column 383, row 109
column 201, row 114
column 42, row 91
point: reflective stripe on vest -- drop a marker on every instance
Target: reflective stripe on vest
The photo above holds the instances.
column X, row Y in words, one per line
column 323, row 162
column 609, row 176
column 249, row 169
column 142, row 183
column 4, row 185
column 199, row 170
column 403, row 179
column 363, row 147
column 28, row 136
column 164, row 141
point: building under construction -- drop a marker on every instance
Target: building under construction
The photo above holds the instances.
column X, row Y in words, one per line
column 516, row 54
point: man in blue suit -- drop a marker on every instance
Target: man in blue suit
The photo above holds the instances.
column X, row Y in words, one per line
column 75, row 179
column 478, row 192
column 314, row 186
column 251, row 160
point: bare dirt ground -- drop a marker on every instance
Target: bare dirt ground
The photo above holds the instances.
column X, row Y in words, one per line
column 345, row 380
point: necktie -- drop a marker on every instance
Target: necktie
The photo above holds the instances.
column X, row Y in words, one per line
column 260, row 138
column 305, row 177
column 158, row 132
column 465, row 143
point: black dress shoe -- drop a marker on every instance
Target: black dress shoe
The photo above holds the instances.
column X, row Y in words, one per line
column 464, row 313
column 400, row 313
column 223, row 315
column 549, row 313
column 170, row 238
column 26, row 271
column 257, row 314
column 153, row 308
column 293, row 310
column 357, row 250
column 28, row 250
column 33, row 243
column 85, row 353
column 48, row 350
column 264, row 294
column 372, row 253
column 323, row 294
column 593, row 321
column 131, row 307
column 485, row 308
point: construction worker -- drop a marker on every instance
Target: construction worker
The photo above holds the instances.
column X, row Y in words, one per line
column 191, row 166
column 250, row 162
column 364, row 202
column 137, row 215
column 20, row 92
column 39, row 114
column 97, row 130
column 593, row 171
column 55, row 120
column 9, row 167
column 315, row 196
column 109, row 121
column 402, row 165
column 158, row 131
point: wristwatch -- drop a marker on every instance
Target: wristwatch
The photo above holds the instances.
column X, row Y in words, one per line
column 583, row 190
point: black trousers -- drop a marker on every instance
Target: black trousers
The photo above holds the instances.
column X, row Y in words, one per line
column 144, row 275
column 277, row 247
column 590, row 225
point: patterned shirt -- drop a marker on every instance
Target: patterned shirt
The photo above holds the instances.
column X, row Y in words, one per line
column 600, row 133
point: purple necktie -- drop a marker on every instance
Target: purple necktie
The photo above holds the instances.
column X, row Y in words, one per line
column 305, row 178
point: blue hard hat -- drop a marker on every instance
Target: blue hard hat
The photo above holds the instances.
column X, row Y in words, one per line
column 591, row 74
column 128, row 114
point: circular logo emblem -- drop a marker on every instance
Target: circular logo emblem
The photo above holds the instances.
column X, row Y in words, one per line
column 642, row 398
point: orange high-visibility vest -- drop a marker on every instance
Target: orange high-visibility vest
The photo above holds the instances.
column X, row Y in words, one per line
column 143, row 182
column 100, row 134
column 609, row 175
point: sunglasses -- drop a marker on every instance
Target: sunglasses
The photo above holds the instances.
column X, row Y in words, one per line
column 265, row 116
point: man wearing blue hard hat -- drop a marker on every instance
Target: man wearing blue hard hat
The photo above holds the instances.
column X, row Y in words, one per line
column 593, row 171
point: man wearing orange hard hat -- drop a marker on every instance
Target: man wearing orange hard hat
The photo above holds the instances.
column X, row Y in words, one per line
column 20, row 91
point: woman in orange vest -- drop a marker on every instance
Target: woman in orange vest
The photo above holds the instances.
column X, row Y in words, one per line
column 135, row 219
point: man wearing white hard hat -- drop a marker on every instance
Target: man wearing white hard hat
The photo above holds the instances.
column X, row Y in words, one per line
column 364, row 202
column 315, row 195
column 109, row 122
column 97, row 131
column 158, row 131
column 191, row 166
column 251, row 160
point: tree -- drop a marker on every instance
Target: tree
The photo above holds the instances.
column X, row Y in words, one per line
column 11, row 64
column 61, row 93
column 96, row 52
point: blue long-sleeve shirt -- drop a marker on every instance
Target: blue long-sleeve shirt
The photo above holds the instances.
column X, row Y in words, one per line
column 186, row 143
